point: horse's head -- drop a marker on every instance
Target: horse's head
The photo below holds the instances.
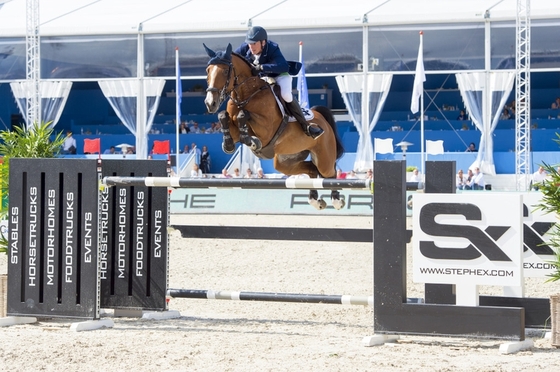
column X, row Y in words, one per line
column 218, row 75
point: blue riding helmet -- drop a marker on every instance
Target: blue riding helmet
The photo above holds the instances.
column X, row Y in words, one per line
column 256, row 33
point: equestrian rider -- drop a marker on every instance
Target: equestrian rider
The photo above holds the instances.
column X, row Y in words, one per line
column 268, row 60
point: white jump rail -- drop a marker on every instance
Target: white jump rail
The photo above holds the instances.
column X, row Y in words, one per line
column 241, row 183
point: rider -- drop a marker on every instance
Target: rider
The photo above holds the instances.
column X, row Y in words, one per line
column 268, row 60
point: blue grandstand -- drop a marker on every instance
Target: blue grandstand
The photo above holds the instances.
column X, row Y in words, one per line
column 83, row 43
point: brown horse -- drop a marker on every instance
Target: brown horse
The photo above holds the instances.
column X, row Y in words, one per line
column 255, row 118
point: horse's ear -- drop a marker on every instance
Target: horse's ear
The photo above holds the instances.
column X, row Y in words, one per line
column 228, row 50
column 209, row 51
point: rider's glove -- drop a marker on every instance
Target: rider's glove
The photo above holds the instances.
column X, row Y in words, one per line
column 257, row 69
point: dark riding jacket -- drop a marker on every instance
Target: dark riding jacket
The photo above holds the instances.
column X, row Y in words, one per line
column 272, row 60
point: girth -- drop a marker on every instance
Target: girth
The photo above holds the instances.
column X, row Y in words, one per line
column 267, row 152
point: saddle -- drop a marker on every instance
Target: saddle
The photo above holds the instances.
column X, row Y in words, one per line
column 267, row 152
column 284, row 109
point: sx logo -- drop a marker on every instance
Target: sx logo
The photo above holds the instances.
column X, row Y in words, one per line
column 482, row 242
column 532, row 235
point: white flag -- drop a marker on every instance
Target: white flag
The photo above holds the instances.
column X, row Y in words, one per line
column 383, row 146
column 434, row 147
column 303, row 93
column 419, row 78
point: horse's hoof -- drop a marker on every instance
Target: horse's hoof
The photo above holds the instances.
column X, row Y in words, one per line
column 318, row 204
column 228, row 147
column 256, row 144
column 338, row 204
column 244, row 139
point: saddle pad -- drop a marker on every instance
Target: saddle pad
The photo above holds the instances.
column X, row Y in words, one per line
column 306, row 112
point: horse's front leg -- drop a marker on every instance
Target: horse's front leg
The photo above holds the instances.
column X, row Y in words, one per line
column 253, row 142
column 228, row 145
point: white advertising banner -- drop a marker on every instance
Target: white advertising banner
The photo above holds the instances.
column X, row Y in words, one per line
column 232, row 201
column 469, row 240
column 249, row 201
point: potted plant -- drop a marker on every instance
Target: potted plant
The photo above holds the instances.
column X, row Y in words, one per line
column 39, row 141
column 550, row 203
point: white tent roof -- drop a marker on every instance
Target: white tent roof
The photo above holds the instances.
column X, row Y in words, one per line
column 95, row 17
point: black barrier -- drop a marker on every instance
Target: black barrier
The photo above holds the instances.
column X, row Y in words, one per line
column 52, row 262
column 275, row 233
column 440, row 178
column 392, row 315
column 74, row 249
column 133, row 222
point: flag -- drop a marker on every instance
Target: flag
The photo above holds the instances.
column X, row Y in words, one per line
column 161, row 147
column 383, row 146
column 419, row 78
column 303, row 95
column 178, row 99
column 178, row 87
column 92, row 146
column 434, row 147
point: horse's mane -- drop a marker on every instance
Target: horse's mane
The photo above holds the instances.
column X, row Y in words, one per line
column 243, row 59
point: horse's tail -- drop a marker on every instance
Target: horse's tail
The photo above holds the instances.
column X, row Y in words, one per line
column 329, row 117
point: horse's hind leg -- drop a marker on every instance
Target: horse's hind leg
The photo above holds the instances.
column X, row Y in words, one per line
column 295, row 164
column 228, row 145
column 337, row 203
column 314, row 200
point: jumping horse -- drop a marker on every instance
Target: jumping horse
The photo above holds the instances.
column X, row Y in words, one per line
column 255, row 117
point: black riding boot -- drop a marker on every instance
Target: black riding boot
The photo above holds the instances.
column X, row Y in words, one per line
column 312, row 131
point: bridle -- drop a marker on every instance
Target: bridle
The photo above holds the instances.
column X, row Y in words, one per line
column 224, row 93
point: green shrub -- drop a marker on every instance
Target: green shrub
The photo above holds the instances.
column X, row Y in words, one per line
column 38, row 141
column 550, row 203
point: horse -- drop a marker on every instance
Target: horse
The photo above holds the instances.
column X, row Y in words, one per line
column 254, row 116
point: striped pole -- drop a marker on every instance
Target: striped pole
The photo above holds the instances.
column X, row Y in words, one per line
column 242, row 183
column 271, row 296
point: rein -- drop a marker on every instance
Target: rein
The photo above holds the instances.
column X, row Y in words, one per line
column 267, row 152
column 241, row 104
column 225, row 94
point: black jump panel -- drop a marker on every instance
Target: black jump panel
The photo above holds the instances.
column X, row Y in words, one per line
column 52, row 264
column 133, row 246
column 440, row 178
column 275, row 233
column 392, row 315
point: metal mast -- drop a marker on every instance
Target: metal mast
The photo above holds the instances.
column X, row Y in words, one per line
column 523, row 95
column 33, row 66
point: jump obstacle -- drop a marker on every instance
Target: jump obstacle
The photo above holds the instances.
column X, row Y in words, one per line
column 393, row 314
column 243, row 183
column 209, row 294
column 273, row 297
column 264, row 233
column 64, row 275
column 74, row 248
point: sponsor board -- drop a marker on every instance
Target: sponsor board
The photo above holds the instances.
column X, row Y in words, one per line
column 133, row 238
column 537, row 227
column 53, row 231
column 249, row 201
column 466, row 240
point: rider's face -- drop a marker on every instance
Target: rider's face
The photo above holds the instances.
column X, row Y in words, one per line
column 256, row 48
